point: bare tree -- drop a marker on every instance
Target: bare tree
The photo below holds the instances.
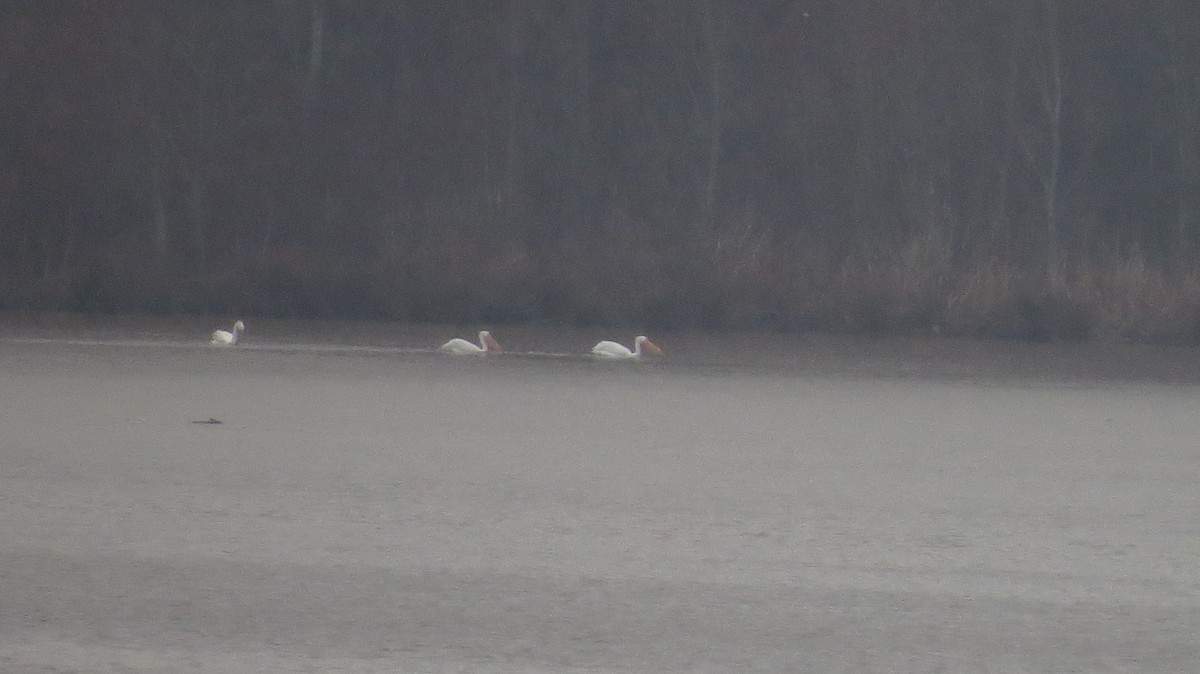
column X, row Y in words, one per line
column 1184, row 77
column 511, row 193
column 716, row 29
column 1039, row 134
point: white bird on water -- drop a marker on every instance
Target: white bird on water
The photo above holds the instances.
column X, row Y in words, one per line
column 487, row 344
column 612, row 350
column 227, row 338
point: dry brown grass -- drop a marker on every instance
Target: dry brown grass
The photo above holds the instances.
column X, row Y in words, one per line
column 915, row 287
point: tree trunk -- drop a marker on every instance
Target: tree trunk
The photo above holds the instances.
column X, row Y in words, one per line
column 715, row 26
column 1185, row 99
column 510, row 197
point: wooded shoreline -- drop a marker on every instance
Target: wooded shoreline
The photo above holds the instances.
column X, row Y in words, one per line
column 1027, row 169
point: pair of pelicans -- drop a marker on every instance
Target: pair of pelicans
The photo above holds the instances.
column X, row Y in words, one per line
column 487, row 344
column 605, row 349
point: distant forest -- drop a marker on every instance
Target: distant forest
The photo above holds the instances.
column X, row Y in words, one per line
column 1025, row 168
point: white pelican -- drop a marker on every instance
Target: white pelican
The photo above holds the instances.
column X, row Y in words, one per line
column 641, row 347
column 227, row 338
column 487, row 344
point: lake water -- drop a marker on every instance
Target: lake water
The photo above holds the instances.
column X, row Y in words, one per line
column 749, row 503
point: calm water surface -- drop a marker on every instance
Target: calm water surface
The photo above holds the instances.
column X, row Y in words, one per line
column 749, row 503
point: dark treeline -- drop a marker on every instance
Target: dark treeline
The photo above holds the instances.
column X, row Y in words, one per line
column 1022, row 168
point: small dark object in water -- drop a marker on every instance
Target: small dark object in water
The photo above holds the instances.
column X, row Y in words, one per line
column 210, row 420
